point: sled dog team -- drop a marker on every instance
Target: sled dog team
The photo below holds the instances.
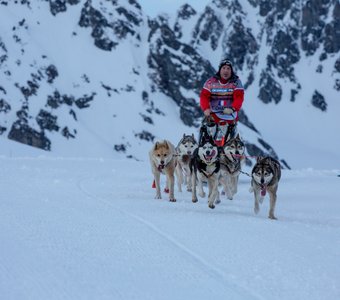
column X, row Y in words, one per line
column 204, row 163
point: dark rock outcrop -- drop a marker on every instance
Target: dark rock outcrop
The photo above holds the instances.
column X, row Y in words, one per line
column 175, row 66
column 318, row 100
column 22, row 133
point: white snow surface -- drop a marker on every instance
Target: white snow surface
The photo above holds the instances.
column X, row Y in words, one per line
column 80, row 228
column 153, row 8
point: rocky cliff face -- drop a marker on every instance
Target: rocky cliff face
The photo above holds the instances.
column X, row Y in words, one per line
column 175, row 66
column 286, row 26
column 28, row 73
column 270, row 37
column 111, row 22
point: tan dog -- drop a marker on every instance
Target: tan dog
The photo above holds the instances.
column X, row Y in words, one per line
column 163, row 161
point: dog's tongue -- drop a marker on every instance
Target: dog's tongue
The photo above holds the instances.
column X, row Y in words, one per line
column 212, row 154
column 263, row 191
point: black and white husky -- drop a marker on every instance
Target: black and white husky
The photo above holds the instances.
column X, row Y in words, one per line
column 265, row 175
column 232, row 159
column 185, row 150
column 205, row 167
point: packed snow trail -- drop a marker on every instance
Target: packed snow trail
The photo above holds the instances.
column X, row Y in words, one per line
column 231, row 289
column 91, row 228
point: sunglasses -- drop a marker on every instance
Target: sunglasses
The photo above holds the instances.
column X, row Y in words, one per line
column 225, row 62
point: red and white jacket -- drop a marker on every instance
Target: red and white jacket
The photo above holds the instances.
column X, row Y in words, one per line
column 218, row 94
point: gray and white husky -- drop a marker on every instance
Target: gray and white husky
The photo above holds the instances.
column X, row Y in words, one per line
column 185, row 150
column 265, row 175
column 232, row 159
column 205, row 167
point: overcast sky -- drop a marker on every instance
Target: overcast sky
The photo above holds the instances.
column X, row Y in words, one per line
column 154, row 7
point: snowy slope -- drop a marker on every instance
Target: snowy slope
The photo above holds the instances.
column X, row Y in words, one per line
column 116, row 80
column 91, row 229
column 124, row 110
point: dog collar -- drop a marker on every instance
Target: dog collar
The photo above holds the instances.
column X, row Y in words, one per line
column 161, row 167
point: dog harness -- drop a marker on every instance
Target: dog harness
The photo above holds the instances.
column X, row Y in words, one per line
column 201, row 168
column 236, row 163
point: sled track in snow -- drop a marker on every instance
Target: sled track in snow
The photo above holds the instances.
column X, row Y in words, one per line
column 213, row 271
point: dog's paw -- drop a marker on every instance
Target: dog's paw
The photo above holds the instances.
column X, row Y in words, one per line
column 189, row 189
column 158, row 196
column 217, row 201
column 272, row 217
column 172, row 200
column 211, row 205
column 230, row 197
column 194, row 200
column 166, row 190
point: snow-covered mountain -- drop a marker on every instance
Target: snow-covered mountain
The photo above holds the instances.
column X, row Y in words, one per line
column 101, row 78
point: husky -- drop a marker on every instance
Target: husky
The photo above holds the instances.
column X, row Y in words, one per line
column 185, row 149
column 265, row 175
column 163, row 160
column 205, row 167
column 232, row 159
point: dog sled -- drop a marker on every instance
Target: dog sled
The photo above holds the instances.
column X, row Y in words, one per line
column 220, row 132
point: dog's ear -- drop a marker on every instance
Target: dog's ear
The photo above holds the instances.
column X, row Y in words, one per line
column 156, row 146
column 167, row 146
column 211, row 140
column 259, row 158
column 183, row 135
column 203, row 135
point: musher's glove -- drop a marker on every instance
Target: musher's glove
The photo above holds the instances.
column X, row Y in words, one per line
column 207, row 112
column 228, row 111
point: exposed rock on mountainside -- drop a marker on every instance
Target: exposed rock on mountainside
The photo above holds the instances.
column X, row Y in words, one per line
column 319, row 101
column 111, row 23
column 175, row 66
column 267, row 40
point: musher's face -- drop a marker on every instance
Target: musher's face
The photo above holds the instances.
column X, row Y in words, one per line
column 225, row 72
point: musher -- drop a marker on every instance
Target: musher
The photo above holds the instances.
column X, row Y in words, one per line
column 221, row 99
